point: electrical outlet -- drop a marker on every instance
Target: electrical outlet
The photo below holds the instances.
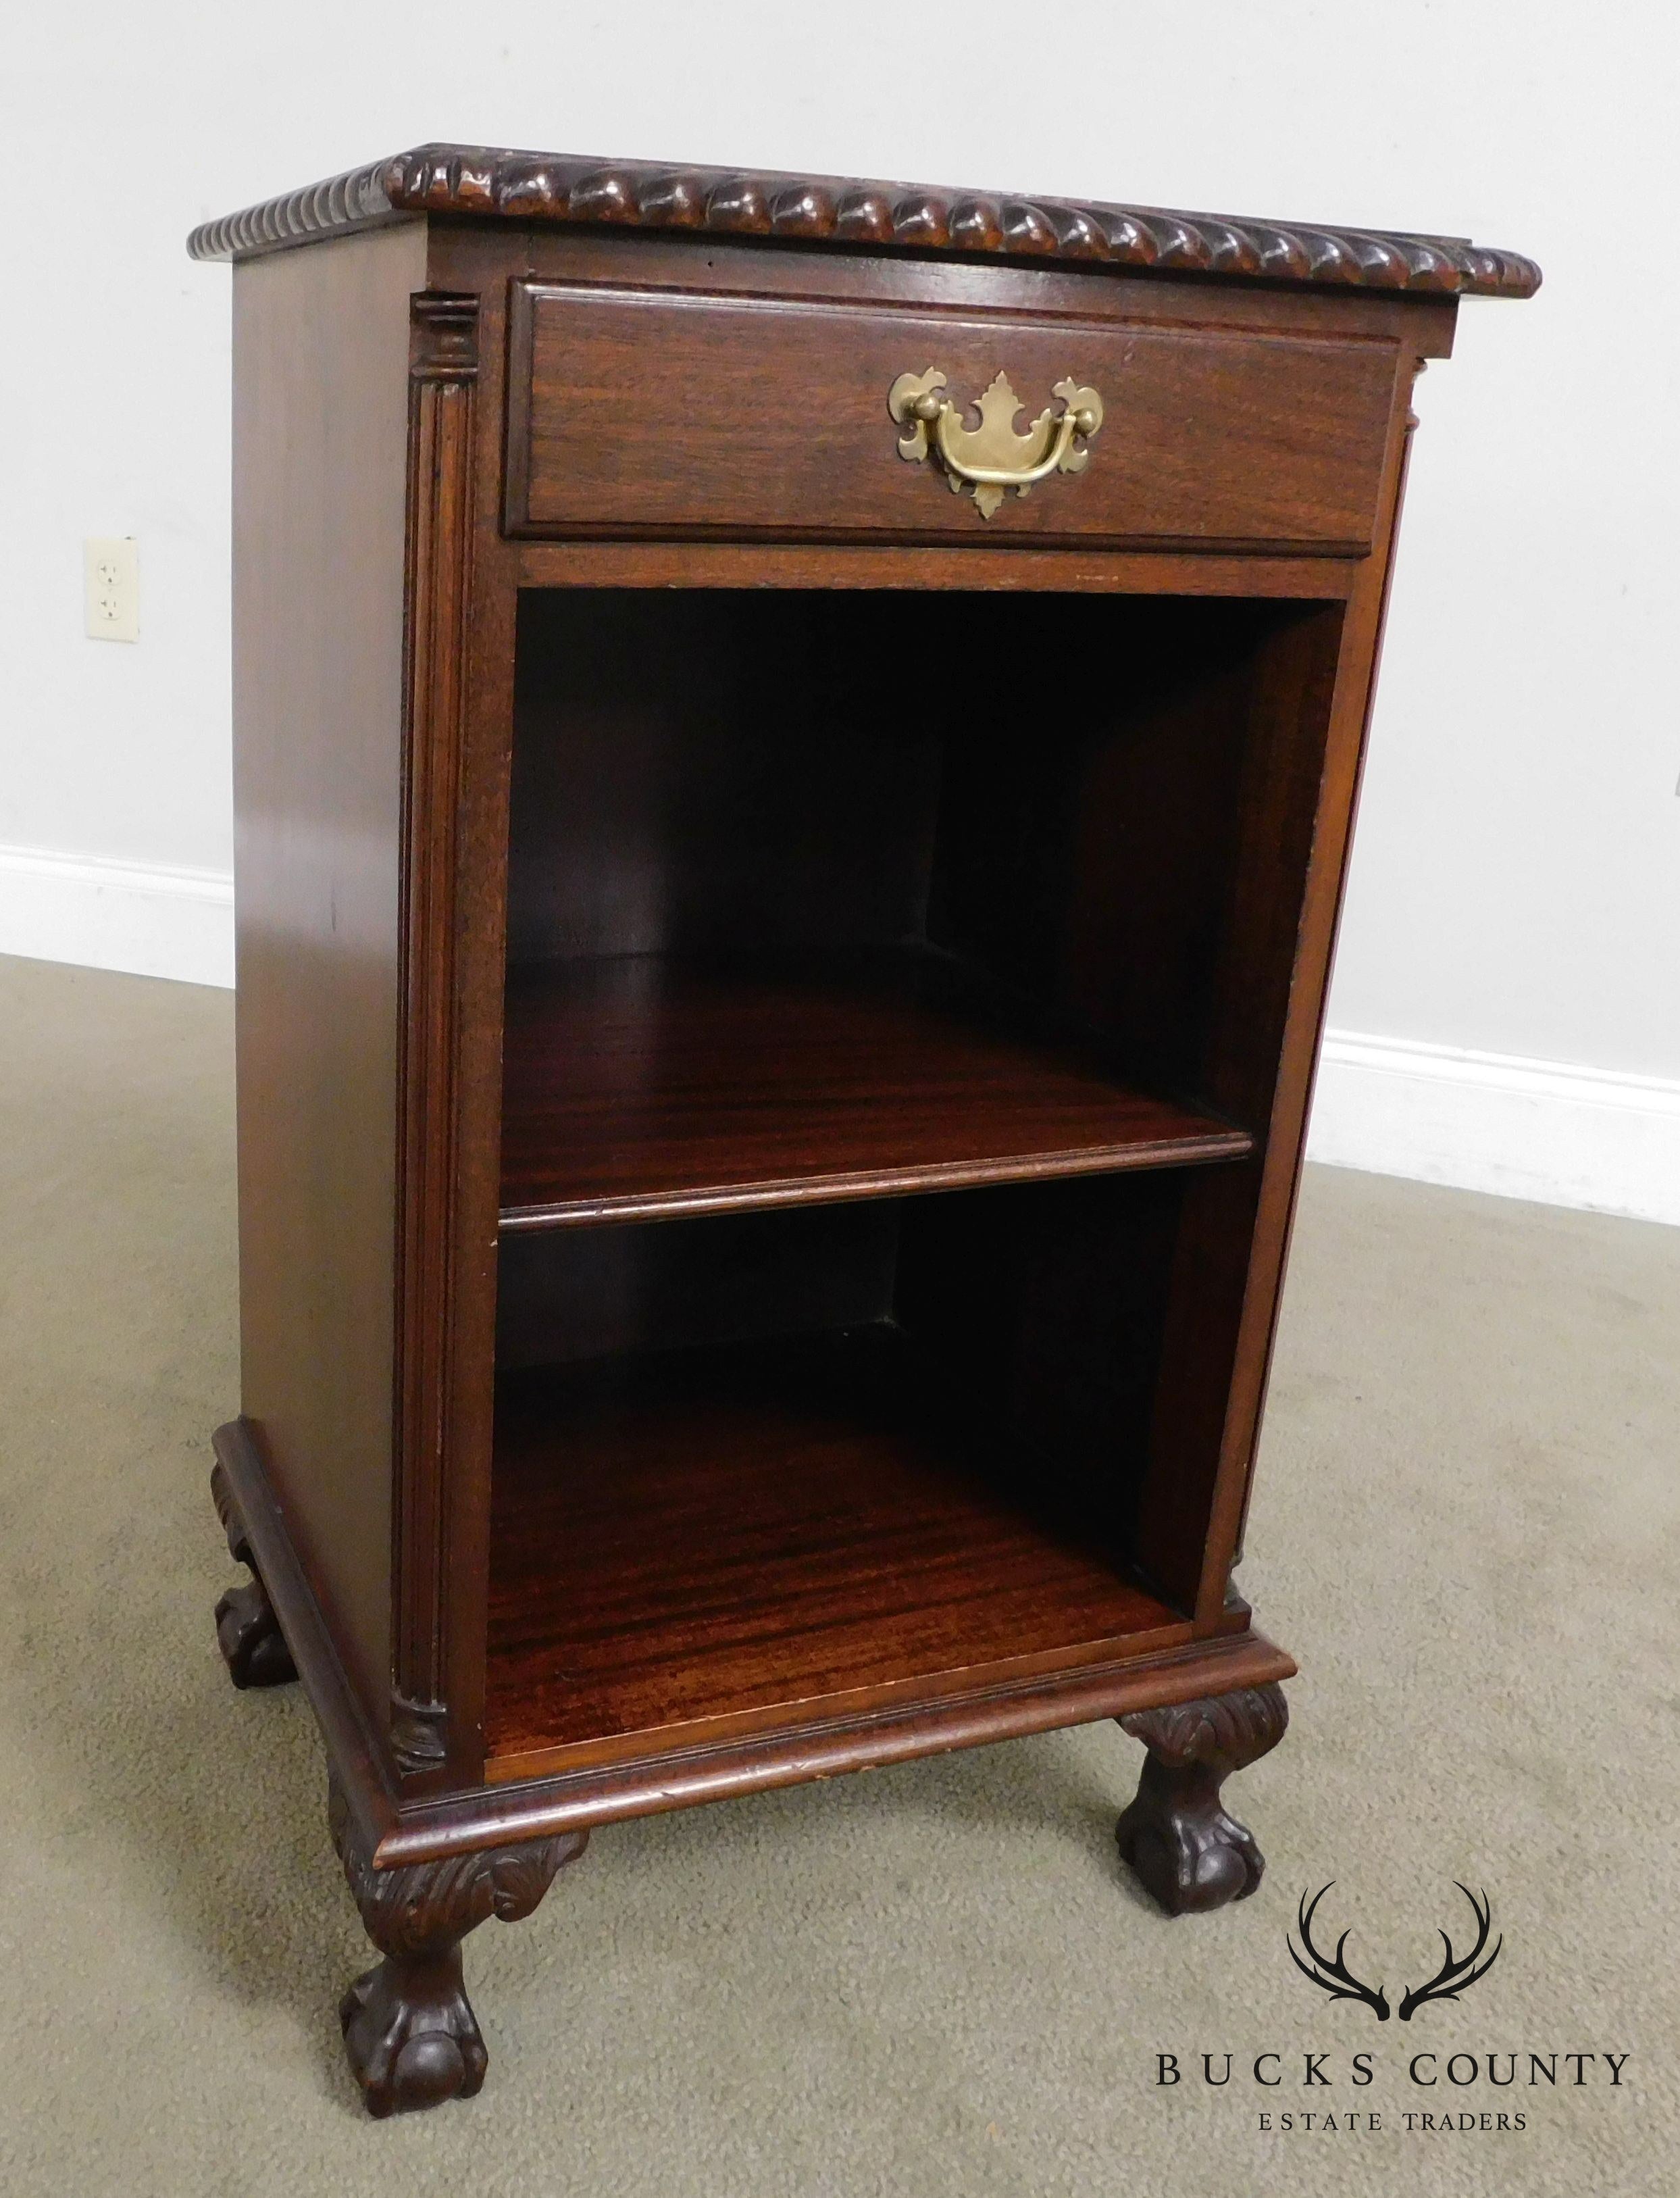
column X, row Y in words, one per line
column 110, row 588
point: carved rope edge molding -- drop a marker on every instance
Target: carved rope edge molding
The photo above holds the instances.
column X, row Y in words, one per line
column 543, row 187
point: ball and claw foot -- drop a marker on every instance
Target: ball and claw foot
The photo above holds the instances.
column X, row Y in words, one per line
column 409, row 2030
column 410, row 2035
column 248, row 1633
column 1178, row 1838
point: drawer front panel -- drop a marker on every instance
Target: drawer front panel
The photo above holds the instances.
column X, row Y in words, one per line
column 658, row 413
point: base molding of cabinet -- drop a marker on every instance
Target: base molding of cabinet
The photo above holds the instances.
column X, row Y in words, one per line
column 352, row 1749
column 864, row 1740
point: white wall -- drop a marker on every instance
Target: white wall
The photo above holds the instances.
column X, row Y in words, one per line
column 1516, row 891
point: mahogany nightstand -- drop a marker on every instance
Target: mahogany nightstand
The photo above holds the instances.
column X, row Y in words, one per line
column 795, row 743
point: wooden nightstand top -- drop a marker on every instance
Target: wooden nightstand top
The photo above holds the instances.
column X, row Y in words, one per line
column 494, row 184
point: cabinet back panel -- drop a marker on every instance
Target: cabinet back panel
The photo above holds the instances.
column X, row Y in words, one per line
column 576, row 1293
column 1045, row 1302
column 1037, row 1309
column 698, row 773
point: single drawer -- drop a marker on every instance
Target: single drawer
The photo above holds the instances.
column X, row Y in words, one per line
column 661, row 413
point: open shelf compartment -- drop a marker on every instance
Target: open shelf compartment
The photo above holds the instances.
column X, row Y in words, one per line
column 797, row 910
column 709, row 1533
column 793, row 1462
column 890, row 1033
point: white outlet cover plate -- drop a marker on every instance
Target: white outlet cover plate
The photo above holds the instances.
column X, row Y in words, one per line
column 111, row 587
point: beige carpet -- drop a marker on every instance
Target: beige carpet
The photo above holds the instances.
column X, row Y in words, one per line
column 930, row 1980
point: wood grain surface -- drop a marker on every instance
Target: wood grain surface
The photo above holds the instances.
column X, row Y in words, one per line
column 321, row 448
column 642, row 1085
column 683, row 1535
column 662, row 412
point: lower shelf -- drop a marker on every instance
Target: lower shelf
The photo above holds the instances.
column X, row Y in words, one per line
column 683, row 1538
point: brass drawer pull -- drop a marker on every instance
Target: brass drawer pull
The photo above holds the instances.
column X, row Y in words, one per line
column 993, row 457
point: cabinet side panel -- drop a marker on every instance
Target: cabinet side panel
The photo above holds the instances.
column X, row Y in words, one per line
column 1271, row 1002
column 1203, row 1409
column 320, row 454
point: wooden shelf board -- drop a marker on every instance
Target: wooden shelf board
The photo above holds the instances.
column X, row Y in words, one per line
column 637, row 1087
column 747, row 1535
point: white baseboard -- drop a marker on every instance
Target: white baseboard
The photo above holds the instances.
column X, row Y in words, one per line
column 1490, row 1121
column 1439, row 1113
column 134, row 916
